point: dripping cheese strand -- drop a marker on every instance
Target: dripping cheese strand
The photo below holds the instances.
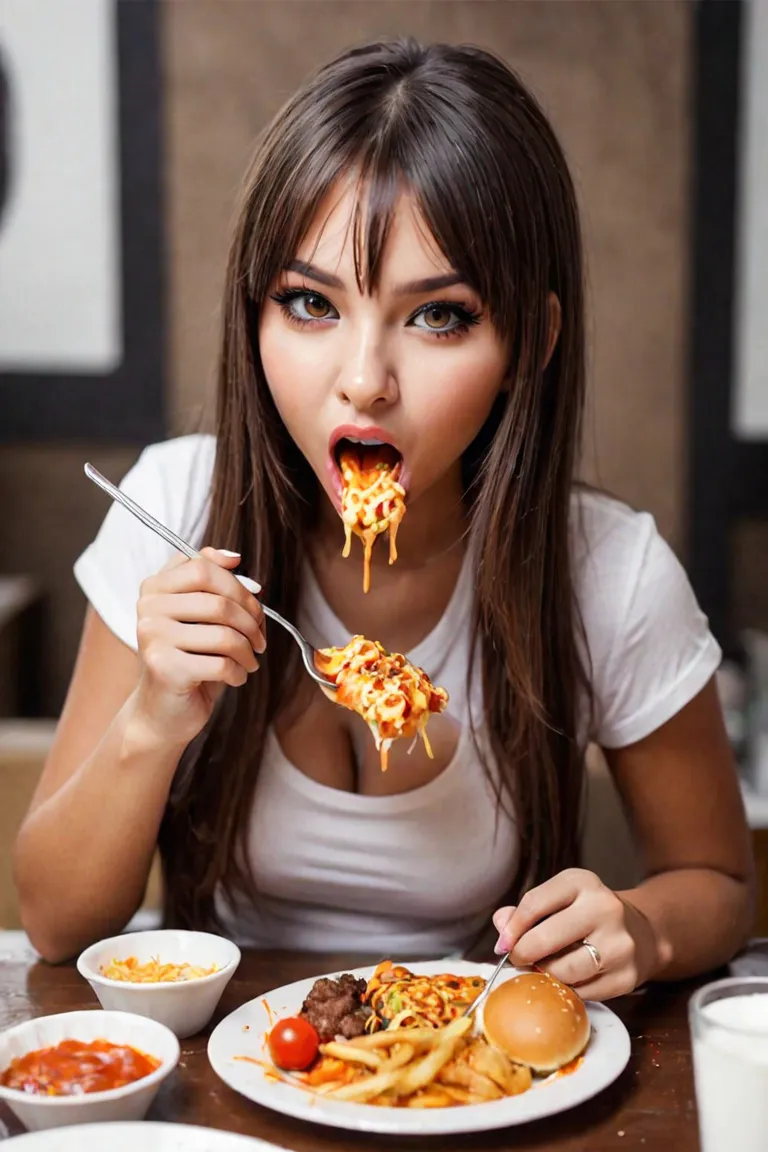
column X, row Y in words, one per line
column 372, row 501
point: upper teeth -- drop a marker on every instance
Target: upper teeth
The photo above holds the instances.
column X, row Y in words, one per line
column 357, row 440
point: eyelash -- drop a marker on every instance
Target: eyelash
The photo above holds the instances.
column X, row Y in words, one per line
column 467, row 317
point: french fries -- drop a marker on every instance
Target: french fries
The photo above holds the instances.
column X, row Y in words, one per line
column 353, row 1053
column 418, row 1068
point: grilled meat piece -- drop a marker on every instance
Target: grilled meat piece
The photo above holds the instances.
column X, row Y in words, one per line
column 335, row 1007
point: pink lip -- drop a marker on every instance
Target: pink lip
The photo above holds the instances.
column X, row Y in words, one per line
column 368, row 432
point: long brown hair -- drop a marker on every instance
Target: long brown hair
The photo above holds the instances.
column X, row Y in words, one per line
column 460, row 130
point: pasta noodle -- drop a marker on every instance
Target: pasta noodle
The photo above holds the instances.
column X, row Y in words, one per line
column 372, row 501
column 400, row 999
column 393, row 696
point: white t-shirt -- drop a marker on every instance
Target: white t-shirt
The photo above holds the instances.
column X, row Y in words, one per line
column 418, row 873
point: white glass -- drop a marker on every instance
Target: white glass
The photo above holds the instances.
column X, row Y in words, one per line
column 729, row 1033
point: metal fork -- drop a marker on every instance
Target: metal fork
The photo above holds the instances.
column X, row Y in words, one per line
column 307, row 651
column 472, row 1008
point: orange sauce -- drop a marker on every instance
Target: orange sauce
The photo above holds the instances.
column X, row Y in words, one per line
column 74, row 1067
column 270, row 1071
column 269, row 1012
column 567, row 1069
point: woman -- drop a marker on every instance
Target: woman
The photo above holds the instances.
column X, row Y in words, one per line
column 406, row 268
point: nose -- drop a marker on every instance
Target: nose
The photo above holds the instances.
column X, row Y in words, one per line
column 367, row 378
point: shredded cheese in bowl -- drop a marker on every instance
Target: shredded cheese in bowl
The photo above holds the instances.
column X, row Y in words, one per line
column 153, row 971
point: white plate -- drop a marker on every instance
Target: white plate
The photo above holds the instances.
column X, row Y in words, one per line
column 605, row 1059
column 149, row 1137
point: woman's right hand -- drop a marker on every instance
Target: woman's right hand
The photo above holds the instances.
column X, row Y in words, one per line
column 198, row 630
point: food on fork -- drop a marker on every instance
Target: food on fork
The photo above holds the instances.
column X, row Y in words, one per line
column 393, row 696
column 537, row 1021
column 153, row 971
column 372, row 499
column 74, row 1067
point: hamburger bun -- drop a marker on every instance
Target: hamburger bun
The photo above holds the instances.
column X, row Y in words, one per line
column 537, row 1021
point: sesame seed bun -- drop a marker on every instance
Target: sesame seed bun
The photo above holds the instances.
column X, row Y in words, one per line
column 537, row 1021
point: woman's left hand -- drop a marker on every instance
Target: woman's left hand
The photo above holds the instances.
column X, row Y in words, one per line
column 550, row 925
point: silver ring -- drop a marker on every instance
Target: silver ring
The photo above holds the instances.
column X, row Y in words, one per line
column 594, row 954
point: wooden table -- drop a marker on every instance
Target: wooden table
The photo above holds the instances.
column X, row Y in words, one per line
column 650, row 1106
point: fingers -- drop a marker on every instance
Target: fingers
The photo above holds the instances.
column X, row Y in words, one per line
column 211, row 640
column 205, row 608
column 200, row 575
column 221, row 556
column 163, row 640
column 554, row 934
column 226, row 559
column 608, row 985
column 544, row 900
column 182, row 577
column 547, row 930
column 198, row 624
column 180, row 670
column 577, row 966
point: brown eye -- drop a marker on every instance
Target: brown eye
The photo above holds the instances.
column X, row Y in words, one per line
column 316, row 306
column 437, row 317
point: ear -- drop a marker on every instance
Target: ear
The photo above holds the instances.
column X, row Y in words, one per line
column 555, row 325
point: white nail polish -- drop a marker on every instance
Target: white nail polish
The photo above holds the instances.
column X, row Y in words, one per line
column 226, row 552
column 251, row 585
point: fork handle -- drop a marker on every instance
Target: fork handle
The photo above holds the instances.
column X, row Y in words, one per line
column 161, row 530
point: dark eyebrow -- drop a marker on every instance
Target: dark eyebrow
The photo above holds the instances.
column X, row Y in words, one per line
column 430, row 284
column 313, row 273
column 411, row 288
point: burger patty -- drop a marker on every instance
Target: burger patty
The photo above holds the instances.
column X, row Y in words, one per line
column 335, row 1007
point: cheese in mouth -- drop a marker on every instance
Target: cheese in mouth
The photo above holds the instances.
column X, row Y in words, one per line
column 372, row 499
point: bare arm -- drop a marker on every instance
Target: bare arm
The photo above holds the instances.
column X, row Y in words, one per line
column 694, row 910
column 84, row 850
column 682, row 793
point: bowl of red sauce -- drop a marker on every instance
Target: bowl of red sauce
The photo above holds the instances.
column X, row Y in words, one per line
column 79, row 1067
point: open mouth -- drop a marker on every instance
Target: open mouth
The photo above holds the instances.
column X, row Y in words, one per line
column 368, row 455
column 366, row 473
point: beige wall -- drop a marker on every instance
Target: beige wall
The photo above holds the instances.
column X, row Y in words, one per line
column 613, row 76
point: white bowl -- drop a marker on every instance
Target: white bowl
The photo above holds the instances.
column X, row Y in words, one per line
column 131, row 1102
column 184, row 1006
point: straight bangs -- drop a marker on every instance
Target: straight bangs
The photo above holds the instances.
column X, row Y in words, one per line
column 462, row 193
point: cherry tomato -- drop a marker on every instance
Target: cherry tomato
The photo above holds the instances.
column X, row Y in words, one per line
column 293, row 1044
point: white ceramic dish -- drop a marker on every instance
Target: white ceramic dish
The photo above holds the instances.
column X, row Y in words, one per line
column 605, row 1058
column 185, row 1006
column 131, row 1102
column 149, row 1136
